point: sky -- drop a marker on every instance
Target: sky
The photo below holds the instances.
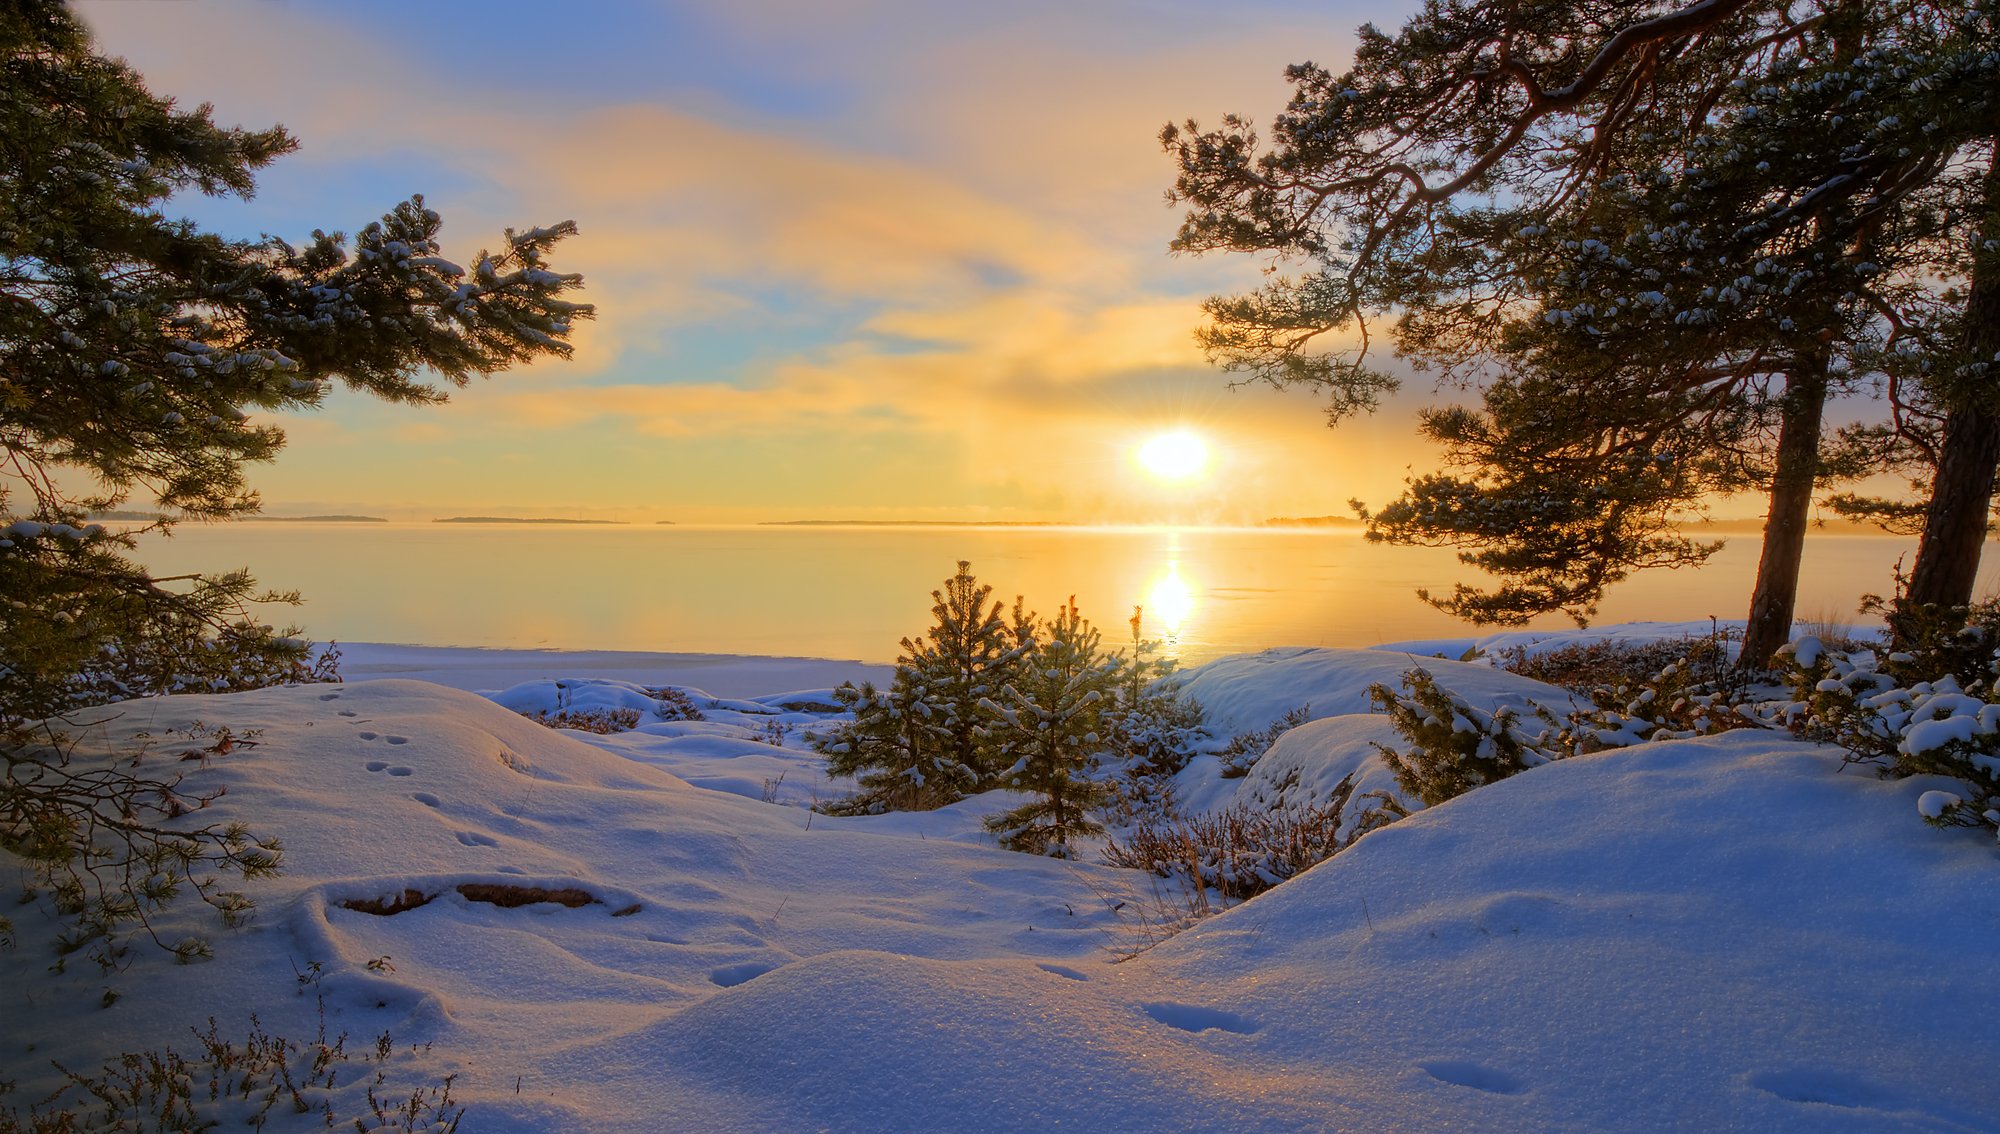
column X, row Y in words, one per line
column 875, row 260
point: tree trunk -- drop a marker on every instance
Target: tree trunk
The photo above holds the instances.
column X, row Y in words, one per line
column 1777, row 590
column 1962, row 494
column 1961, row 499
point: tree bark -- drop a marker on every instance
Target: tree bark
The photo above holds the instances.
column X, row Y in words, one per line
column 1776, row 595
column 1962, row 493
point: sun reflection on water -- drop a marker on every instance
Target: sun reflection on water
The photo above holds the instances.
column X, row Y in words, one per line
column 1168, row 604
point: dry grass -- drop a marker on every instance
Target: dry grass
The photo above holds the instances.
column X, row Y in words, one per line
column 599, row 721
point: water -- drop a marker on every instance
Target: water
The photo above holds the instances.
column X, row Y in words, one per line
column 853, row 592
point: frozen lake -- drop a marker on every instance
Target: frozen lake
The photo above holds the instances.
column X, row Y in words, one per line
column 852, row 592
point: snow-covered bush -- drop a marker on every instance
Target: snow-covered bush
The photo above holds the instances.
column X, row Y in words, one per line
column 1886, row 713
column 1455, row 746
column 1584, row 667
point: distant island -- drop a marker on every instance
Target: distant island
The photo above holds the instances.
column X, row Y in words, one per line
column 149, row 517
column 516, row 520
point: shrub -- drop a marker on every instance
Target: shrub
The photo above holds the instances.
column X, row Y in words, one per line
column 1246, row 748
column 1587, row 666
column 1884, row 713
column 1242, row 853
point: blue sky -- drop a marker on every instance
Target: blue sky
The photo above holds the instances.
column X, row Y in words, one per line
column 873, row 260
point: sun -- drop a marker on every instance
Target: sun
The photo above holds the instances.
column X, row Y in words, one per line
column 1176, row 456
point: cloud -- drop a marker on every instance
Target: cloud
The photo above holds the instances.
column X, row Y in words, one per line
column 928, row 237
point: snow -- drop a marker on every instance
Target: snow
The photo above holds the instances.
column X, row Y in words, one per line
column 1245, row 692
column 1724, row 933
column 1932, row 804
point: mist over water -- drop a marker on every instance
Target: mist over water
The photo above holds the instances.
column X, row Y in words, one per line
column 853, row 592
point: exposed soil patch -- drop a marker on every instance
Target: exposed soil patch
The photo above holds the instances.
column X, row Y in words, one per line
column 383, row 907
column 509, row 897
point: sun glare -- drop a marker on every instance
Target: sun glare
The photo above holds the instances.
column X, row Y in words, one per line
column 1180, row 455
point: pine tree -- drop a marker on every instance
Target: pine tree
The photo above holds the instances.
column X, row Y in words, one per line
column 1054, row 717
column 929, row 739
column 1417, row 186
column 141, row 355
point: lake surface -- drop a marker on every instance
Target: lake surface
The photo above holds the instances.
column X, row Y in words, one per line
column 853, row 592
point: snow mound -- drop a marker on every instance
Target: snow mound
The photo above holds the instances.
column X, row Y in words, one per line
column 1248, row 692
column 1724, row 933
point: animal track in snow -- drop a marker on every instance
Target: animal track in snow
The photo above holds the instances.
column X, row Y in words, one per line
column 366, row 735
column 1068, row 974
column 427, row 799
column 397, row 739
column 1460, row 1073
column 329, row 696
column 400, row 770
column 376, row 765
column 475, row 839
column 1195, row 1018
column 349, row 713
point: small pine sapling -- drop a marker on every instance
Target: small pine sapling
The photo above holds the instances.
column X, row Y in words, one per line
column 928, row 740
column 1053, row 718
column 1455, row 746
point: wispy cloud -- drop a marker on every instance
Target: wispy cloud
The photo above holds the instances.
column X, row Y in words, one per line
column 927, row 239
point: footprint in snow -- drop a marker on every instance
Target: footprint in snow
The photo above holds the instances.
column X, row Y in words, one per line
column 1460, row 1073
column 1067, row 974
column 729, row 976
column 366, row 735
column 399, row 770
column 425, row 798
column 1828, row 1088
column 329, row 696
column 1196, row 1018
column 349, row 713
column 475, row 839
column 376, row 765
column 397, row 739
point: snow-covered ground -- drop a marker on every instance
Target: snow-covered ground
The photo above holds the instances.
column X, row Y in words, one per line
column 1720, row 934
